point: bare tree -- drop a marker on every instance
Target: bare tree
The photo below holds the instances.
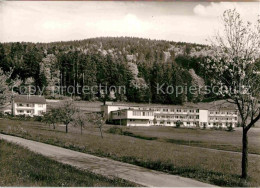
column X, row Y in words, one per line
column 233, row 68
column 66, row 113
column 80, row 119
column 52, row 117
column 98, row 120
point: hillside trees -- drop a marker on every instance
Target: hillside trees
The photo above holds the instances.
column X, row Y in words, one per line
column 105, row 62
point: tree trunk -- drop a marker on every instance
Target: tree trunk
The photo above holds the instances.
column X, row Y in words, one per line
column 81, row 130
column 100, row 129
column 244, row 154
column 66, row 128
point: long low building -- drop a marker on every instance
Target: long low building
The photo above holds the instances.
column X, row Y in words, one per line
column 169, row 115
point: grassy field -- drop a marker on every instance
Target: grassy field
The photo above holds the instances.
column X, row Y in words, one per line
column 21, row 167
column 219, row 168
column 215, row 139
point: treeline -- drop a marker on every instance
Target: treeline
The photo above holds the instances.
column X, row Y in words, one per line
column 142, row 66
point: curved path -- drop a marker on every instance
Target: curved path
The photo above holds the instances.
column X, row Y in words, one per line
column 106, row 167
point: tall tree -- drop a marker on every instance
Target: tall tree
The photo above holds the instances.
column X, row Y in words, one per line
column 4, row 89
column 233, row 67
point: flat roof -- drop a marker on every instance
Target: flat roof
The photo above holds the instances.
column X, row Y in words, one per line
column 215, row 105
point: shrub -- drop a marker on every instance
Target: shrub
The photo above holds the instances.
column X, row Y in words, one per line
column 115, row 130
column 230, row 128
column 178, row 124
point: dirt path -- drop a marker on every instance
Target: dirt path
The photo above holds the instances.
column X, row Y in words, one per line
column 106, row 167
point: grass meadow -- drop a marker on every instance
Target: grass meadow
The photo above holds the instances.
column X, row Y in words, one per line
column 159, row 148
column 208, row 138
column 21, row 167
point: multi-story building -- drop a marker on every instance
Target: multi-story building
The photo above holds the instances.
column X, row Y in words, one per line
column 169, row 115
column 29, row 105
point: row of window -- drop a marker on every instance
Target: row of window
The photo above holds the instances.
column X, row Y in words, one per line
column 24, row 111
column 167, row 109
column 222, row 118
column 28, row 111
column 173, row 123
column 25, row 105
column 29, row 105
column 221, row 124
column 222, row 112
column 177, row 117
column 142, row 113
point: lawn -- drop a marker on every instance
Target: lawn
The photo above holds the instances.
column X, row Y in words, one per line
column 21, row 167
column 215, row 139
column 215, row 167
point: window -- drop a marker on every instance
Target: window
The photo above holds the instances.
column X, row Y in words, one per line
column 28, row 111
column 40, row 105
column 136, row 113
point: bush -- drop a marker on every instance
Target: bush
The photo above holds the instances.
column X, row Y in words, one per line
column 115, row 130
column 178, row 124
column 230, row 128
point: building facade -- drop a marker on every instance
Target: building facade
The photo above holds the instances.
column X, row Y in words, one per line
column 29, row 105
column 169, row 116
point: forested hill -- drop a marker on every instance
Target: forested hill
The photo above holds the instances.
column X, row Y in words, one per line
column 141, row 65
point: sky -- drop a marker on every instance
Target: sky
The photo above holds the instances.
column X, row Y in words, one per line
column 48, row 21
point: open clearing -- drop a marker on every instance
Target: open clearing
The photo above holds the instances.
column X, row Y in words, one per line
column 215, row 167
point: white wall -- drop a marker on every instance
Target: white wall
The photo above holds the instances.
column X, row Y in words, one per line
column 131, row 116
column 108, row 108
column 39, row 109
column 36, row 110
column 203, row 114
column 138, row 123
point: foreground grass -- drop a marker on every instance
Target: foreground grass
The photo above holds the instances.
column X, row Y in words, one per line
column 215, row 167
column 21, row 167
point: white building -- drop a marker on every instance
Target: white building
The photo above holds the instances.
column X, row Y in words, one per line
column 169, row 115
column 29, row 105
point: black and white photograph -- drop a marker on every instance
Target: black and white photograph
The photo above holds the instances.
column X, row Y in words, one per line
column 151, row 93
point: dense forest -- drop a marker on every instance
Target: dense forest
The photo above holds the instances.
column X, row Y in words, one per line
column 141, row 65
